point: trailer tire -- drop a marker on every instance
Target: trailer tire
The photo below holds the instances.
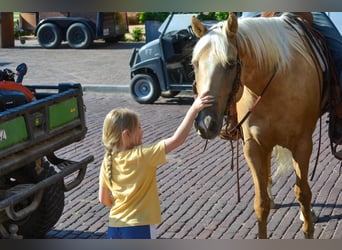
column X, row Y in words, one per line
column 79, row 36
column 145, row 88
column 49, row 36
column 39, row 222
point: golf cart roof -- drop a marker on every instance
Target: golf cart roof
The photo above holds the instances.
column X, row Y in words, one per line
column 182, row 21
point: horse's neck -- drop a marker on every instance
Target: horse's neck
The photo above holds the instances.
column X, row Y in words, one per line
column 252, row 77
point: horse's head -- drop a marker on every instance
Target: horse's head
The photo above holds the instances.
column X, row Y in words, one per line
column 216, row 66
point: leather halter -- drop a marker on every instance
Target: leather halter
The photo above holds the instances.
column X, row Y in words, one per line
column 235, row 87
column 237, row 80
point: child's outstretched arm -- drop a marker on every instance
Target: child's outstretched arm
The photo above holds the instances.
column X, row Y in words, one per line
column 182, row 132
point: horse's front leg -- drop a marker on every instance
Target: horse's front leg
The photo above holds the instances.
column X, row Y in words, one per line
column 302, row 190
column 259, row 161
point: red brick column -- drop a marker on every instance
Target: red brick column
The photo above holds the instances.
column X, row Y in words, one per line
column 6, row 30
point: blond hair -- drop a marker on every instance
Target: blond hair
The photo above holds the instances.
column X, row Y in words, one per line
column 115, row 122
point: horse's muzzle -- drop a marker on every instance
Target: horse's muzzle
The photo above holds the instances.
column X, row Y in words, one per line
column 207, row 126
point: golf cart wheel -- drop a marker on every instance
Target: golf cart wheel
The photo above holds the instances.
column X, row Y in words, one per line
column 78, row 36
column 49, row 36
column 145, row 89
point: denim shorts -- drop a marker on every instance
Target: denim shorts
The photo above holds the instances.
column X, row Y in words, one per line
column 132, row 232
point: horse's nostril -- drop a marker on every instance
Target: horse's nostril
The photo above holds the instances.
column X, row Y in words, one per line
column 209, row 122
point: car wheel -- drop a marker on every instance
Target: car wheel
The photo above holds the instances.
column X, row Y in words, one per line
column 49, row 36
column 78, row 36
column 145, row 89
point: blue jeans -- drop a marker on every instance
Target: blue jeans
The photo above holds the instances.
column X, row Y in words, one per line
column 132, row 232
column 323, row 24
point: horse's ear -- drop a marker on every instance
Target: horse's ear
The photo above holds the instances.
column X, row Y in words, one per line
column 232, row 24
column 198, row 28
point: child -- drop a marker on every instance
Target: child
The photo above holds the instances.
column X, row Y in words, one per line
column 127, row 181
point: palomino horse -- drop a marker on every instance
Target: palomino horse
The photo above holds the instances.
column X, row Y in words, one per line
column 268, row 68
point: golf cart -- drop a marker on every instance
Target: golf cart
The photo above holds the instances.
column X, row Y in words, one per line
column 163, row 67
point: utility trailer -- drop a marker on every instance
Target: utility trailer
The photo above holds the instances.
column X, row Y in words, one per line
column 79, row 29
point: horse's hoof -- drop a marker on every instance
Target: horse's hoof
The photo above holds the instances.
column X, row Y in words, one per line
column 313, row 215
column 308, row 235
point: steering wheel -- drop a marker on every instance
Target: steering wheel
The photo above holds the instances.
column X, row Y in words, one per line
column 191, row 32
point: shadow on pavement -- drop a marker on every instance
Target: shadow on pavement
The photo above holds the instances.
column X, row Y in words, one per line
column 75, row 234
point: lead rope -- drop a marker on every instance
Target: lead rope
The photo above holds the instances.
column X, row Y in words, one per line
column 237, row 166
column 238, row 128
column 205, row 146
column 319, row 147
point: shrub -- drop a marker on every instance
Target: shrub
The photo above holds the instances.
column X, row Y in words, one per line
column 219, row 16
column 153, row 16
column 137, row 34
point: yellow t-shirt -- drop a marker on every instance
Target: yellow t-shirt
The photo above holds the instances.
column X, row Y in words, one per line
column 134, row 186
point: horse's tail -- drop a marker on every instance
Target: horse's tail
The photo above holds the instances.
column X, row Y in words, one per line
column 283, row 160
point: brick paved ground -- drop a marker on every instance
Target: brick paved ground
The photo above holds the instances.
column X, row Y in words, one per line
column 197, row 189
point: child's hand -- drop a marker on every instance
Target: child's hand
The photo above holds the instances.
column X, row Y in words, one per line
column 203, row 101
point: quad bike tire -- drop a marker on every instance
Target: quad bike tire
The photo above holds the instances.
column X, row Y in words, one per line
column 38, row 223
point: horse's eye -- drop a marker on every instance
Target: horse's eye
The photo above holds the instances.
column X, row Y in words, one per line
column 231, row 64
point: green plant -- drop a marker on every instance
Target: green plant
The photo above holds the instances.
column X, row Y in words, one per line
column 219, row 16
column 207, row 16
column 137, row 34
column 161, row 16
column 152, row 16
column 18, row 32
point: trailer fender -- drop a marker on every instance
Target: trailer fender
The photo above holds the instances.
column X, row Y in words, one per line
column 65, row 22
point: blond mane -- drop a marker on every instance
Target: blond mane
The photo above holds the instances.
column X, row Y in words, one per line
column 216, row 40
column 269, row 41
